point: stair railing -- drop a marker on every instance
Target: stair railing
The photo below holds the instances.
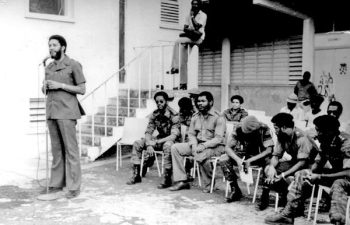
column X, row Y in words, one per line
column 135, row 63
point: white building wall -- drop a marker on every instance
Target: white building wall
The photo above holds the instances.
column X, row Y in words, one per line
column 92, row 39
column 143, row 28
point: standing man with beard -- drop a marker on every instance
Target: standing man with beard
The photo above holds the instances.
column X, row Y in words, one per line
column 64, row 79
column 165, row 120
column 298, row 145
column 206, row 139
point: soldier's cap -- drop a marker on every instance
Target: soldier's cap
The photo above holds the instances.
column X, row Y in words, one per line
column 327, row 122
column 250, row 124
column 164, row 94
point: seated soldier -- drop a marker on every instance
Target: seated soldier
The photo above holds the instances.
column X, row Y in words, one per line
column 250, row 144
column 298, row 145
column 166, row 121
column 235, row 113
column 206, row 137
column 335, row 148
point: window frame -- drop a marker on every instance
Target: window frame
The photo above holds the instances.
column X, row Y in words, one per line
column 69, row 8
column 168, row 25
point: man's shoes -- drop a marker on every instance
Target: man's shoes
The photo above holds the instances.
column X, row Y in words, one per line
column 234, row 196
column 279, row 219
column 183, row 86
column 51, row 190
column 173, row 71
column 180, row 185
column 72, row 194
column 166, row 180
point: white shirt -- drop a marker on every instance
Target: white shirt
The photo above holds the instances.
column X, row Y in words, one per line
column 200, row 18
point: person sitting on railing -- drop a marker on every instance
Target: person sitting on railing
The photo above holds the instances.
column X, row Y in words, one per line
column 186, row 113
column 193, row 34
column 298, row 145
column 235, row 113
column 250, row 144
column 165, row 120
column 335, row 149
column 206, row 139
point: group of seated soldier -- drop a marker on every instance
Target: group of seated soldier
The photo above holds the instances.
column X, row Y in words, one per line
column 250, row 144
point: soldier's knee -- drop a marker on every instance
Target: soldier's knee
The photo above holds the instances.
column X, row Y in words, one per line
column 167, row 145
column 340, row 183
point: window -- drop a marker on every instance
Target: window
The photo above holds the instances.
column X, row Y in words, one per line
column 60, row 10
column 169, row 14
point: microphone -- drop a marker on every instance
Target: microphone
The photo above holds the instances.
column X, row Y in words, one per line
column 44, row 60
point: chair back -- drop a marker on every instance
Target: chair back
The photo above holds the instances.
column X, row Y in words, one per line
column 229, row 129
column 134, row 129
column 184, row 131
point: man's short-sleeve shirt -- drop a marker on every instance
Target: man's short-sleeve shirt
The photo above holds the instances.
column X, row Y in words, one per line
column 235, row 115
column 250, row 144
column 337, row 153
column 61, row 104
column 301, row 146
column 200, row 18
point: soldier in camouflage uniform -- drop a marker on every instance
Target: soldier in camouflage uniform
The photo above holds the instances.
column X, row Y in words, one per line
column 250, row 144
column 165, row 120
column 334, row 148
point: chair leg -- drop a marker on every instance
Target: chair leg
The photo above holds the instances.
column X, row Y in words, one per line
column 319, row 196
column 120, row 156
column 347, row 212
column 198, row 174
column 276, row 202
column 117, row 157
column 311, row 201
column 142, row 160
column 162, row 163
column 213, row 176
column 256, row 184
column 193, row 171
column 227, row 187
column 155, row 155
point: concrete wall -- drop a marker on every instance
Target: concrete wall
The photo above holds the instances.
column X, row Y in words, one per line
column 92, row 39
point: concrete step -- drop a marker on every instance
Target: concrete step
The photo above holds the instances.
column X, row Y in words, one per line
column 100, row 120
column 123, row 101
column 98, row 130
column 112, row 111
column 133, row 93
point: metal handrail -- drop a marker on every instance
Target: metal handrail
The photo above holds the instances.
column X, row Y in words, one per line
column 121, row 69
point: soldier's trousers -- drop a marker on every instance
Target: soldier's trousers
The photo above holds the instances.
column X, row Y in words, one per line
column 140, row 146
column 300, row 190
column 180, row 150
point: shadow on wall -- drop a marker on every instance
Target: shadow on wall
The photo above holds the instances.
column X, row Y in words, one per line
column 268, row 99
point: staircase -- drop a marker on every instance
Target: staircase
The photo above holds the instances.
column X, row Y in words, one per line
column 110, row 102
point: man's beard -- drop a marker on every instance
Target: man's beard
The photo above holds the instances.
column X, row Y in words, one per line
column 282, row 137
column 57, row 56
column 205, row 108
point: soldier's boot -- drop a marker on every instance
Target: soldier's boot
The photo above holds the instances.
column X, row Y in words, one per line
column 236, row 193
column 166, row 180
column 147, row 164
column 188, row 167
column 264, row 199
column 136, row 178
column 286, row 216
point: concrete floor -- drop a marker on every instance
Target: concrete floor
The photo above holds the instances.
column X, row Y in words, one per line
column 106, row 199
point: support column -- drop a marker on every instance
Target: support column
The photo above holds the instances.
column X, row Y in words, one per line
column 308, row 46
column 193, row 60
column 225, row 73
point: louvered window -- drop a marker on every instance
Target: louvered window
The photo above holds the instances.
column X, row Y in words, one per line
column 278, row 62
column 169, row 13
column 209, row 67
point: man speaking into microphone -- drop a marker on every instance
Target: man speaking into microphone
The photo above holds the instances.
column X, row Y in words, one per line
column 64, row 79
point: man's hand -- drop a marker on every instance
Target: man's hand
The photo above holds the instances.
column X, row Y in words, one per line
column 53, row 85
column 150, row 150
column 199, row 148
column 270, row 174
column 313, row 177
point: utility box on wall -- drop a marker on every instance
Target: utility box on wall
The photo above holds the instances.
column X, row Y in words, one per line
column 332, row 72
